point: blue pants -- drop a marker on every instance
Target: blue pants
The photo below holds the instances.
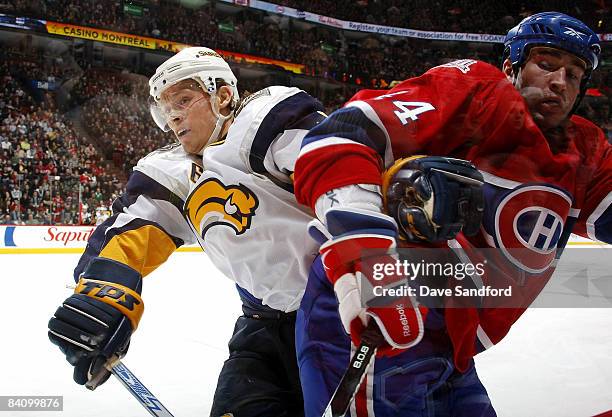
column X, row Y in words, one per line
column 421, row 381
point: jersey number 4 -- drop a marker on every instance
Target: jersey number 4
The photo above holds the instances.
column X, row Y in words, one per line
column 411, row 110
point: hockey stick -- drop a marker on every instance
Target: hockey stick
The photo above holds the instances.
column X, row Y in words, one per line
column 344, row 395
column 133, row 385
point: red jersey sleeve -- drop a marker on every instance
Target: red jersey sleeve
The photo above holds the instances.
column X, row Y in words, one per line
column 595, row 188
column 461, row 109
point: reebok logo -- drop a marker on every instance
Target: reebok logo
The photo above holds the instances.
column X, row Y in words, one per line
column 403, row 320
column 573, row 32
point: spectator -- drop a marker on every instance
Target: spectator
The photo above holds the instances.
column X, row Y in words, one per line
column 39, row 143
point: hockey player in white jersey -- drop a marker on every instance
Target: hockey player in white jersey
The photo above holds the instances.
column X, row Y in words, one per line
column 227, row 186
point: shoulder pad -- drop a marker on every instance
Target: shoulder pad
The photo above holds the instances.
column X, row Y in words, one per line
column 170, row 166
column 269, row 95
column 471, row 68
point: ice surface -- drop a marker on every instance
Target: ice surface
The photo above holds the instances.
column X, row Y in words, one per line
column 554, row 362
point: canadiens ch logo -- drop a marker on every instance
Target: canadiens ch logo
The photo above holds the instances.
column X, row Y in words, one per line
column 212, row 203
column 529, row 221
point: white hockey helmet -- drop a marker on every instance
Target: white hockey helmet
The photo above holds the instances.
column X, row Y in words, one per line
column 201, row 64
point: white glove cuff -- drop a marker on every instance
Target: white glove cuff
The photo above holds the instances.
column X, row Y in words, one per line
column 349, row 299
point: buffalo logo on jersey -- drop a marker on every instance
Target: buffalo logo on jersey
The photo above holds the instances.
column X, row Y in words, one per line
column 527, row 223
column 212, row 203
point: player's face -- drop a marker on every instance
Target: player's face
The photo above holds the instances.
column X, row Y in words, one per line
column 550, row 83
column 189, row 114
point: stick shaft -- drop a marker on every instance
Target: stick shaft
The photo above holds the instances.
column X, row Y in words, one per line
column 362, row 359
column 139, row 391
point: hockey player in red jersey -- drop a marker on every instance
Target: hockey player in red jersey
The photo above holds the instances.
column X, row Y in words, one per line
column 545, row 172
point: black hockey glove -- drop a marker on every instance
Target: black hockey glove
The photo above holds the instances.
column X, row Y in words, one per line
column 434, row 198
column 96, row 322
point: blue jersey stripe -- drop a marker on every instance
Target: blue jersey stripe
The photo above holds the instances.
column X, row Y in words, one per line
column 300, row 111
column 349, row 123
column 141, row 184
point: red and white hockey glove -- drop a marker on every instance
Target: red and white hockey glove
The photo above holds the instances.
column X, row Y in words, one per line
column 354, row 234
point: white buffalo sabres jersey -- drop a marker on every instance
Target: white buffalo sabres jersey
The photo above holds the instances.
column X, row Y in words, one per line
column 236, row 201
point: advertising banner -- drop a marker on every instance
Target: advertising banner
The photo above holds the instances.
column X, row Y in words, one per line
column 49, row 239
column 125, row 39
column 101, row 35
column 153, row 43
column 14, row 237
column 108, row 36
column 73, row 239
column 379, row 29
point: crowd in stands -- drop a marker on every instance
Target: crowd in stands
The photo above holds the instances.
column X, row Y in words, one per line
column 49, row 174
column 65, row 160
column 67, row 166
column 116, row 115
column 325, row 51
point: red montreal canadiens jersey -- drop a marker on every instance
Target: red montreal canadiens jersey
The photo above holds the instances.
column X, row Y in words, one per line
column 468, row 109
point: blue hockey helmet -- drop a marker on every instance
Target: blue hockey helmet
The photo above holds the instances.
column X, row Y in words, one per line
column 555, row 30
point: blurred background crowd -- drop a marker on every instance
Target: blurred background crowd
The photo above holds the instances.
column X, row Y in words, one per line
column 74, row 121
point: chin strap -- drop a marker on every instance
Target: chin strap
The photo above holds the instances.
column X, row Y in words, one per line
column 516, row 70
column 214, row 136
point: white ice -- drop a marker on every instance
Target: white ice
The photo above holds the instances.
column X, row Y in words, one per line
column 554, row 362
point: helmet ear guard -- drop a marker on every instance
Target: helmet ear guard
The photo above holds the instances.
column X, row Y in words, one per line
column 554, row 30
